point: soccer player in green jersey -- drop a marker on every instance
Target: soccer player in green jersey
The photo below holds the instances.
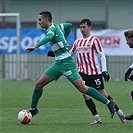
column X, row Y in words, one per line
column 64, row 63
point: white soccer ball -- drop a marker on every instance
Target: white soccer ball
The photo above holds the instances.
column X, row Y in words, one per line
column 24, row 116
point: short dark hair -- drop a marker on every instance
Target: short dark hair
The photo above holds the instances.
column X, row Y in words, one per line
column 128, row 34
column 85, row 21
column 46, row 14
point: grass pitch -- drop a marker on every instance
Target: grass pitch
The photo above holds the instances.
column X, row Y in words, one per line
column 61, row 108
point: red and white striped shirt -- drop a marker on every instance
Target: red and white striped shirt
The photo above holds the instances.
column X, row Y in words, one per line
column 87, row 52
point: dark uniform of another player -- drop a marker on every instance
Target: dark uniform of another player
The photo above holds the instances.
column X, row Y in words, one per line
column 129, row 38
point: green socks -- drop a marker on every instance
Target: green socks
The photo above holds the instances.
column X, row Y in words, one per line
column 96, row 95
column 91, row 92
column 35, row 97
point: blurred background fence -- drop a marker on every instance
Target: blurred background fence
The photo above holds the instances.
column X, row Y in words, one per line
column 104, row 14
column 32, row 66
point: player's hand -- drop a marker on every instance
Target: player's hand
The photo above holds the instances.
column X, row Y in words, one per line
column 106, row 76
column 30, row 49
column 128, row 73
column 51, row 54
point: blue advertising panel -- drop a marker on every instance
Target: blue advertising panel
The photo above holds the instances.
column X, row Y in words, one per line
column 28, row 38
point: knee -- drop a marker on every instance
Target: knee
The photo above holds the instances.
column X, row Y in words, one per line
column 105, row 95
column 39, row 86
column 86, row 97
column 83, row 89
column 103, row 92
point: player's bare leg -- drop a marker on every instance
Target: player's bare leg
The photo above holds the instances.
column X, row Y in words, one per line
column 79, row 84
column 44, row 80
column 91, row 106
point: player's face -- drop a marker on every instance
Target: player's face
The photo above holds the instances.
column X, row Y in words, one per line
column 85, row 29
column 42, row 21
column 129, row 41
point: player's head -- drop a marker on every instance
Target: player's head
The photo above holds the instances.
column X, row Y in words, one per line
column 45, row 18
column 85, row 21
column 129, row 38
column 85, row 27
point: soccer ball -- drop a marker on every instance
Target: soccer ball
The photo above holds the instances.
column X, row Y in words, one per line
column 24, row 116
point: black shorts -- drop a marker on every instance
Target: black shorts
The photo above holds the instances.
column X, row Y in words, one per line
column 95, row 81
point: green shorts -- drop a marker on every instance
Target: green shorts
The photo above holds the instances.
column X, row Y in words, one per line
column 66, row 67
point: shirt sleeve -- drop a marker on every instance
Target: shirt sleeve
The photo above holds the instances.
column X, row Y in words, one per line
column 103, row 61
column 98, row 47
column 73, row 49
column 46, row 39
column 66, row 27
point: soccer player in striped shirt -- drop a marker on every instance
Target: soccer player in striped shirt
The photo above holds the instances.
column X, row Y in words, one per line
column 64, row 63
column 88, row 50
column 129, row 38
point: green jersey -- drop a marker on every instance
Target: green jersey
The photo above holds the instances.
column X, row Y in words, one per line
column 57, row 40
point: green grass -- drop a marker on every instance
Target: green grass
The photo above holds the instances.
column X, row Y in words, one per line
column 61, row 109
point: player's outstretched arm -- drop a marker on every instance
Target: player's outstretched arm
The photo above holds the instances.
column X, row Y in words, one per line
column 46, row 39
column 31, row 48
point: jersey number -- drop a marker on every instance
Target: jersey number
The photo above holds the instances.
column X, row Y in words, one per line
column 97, row 81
